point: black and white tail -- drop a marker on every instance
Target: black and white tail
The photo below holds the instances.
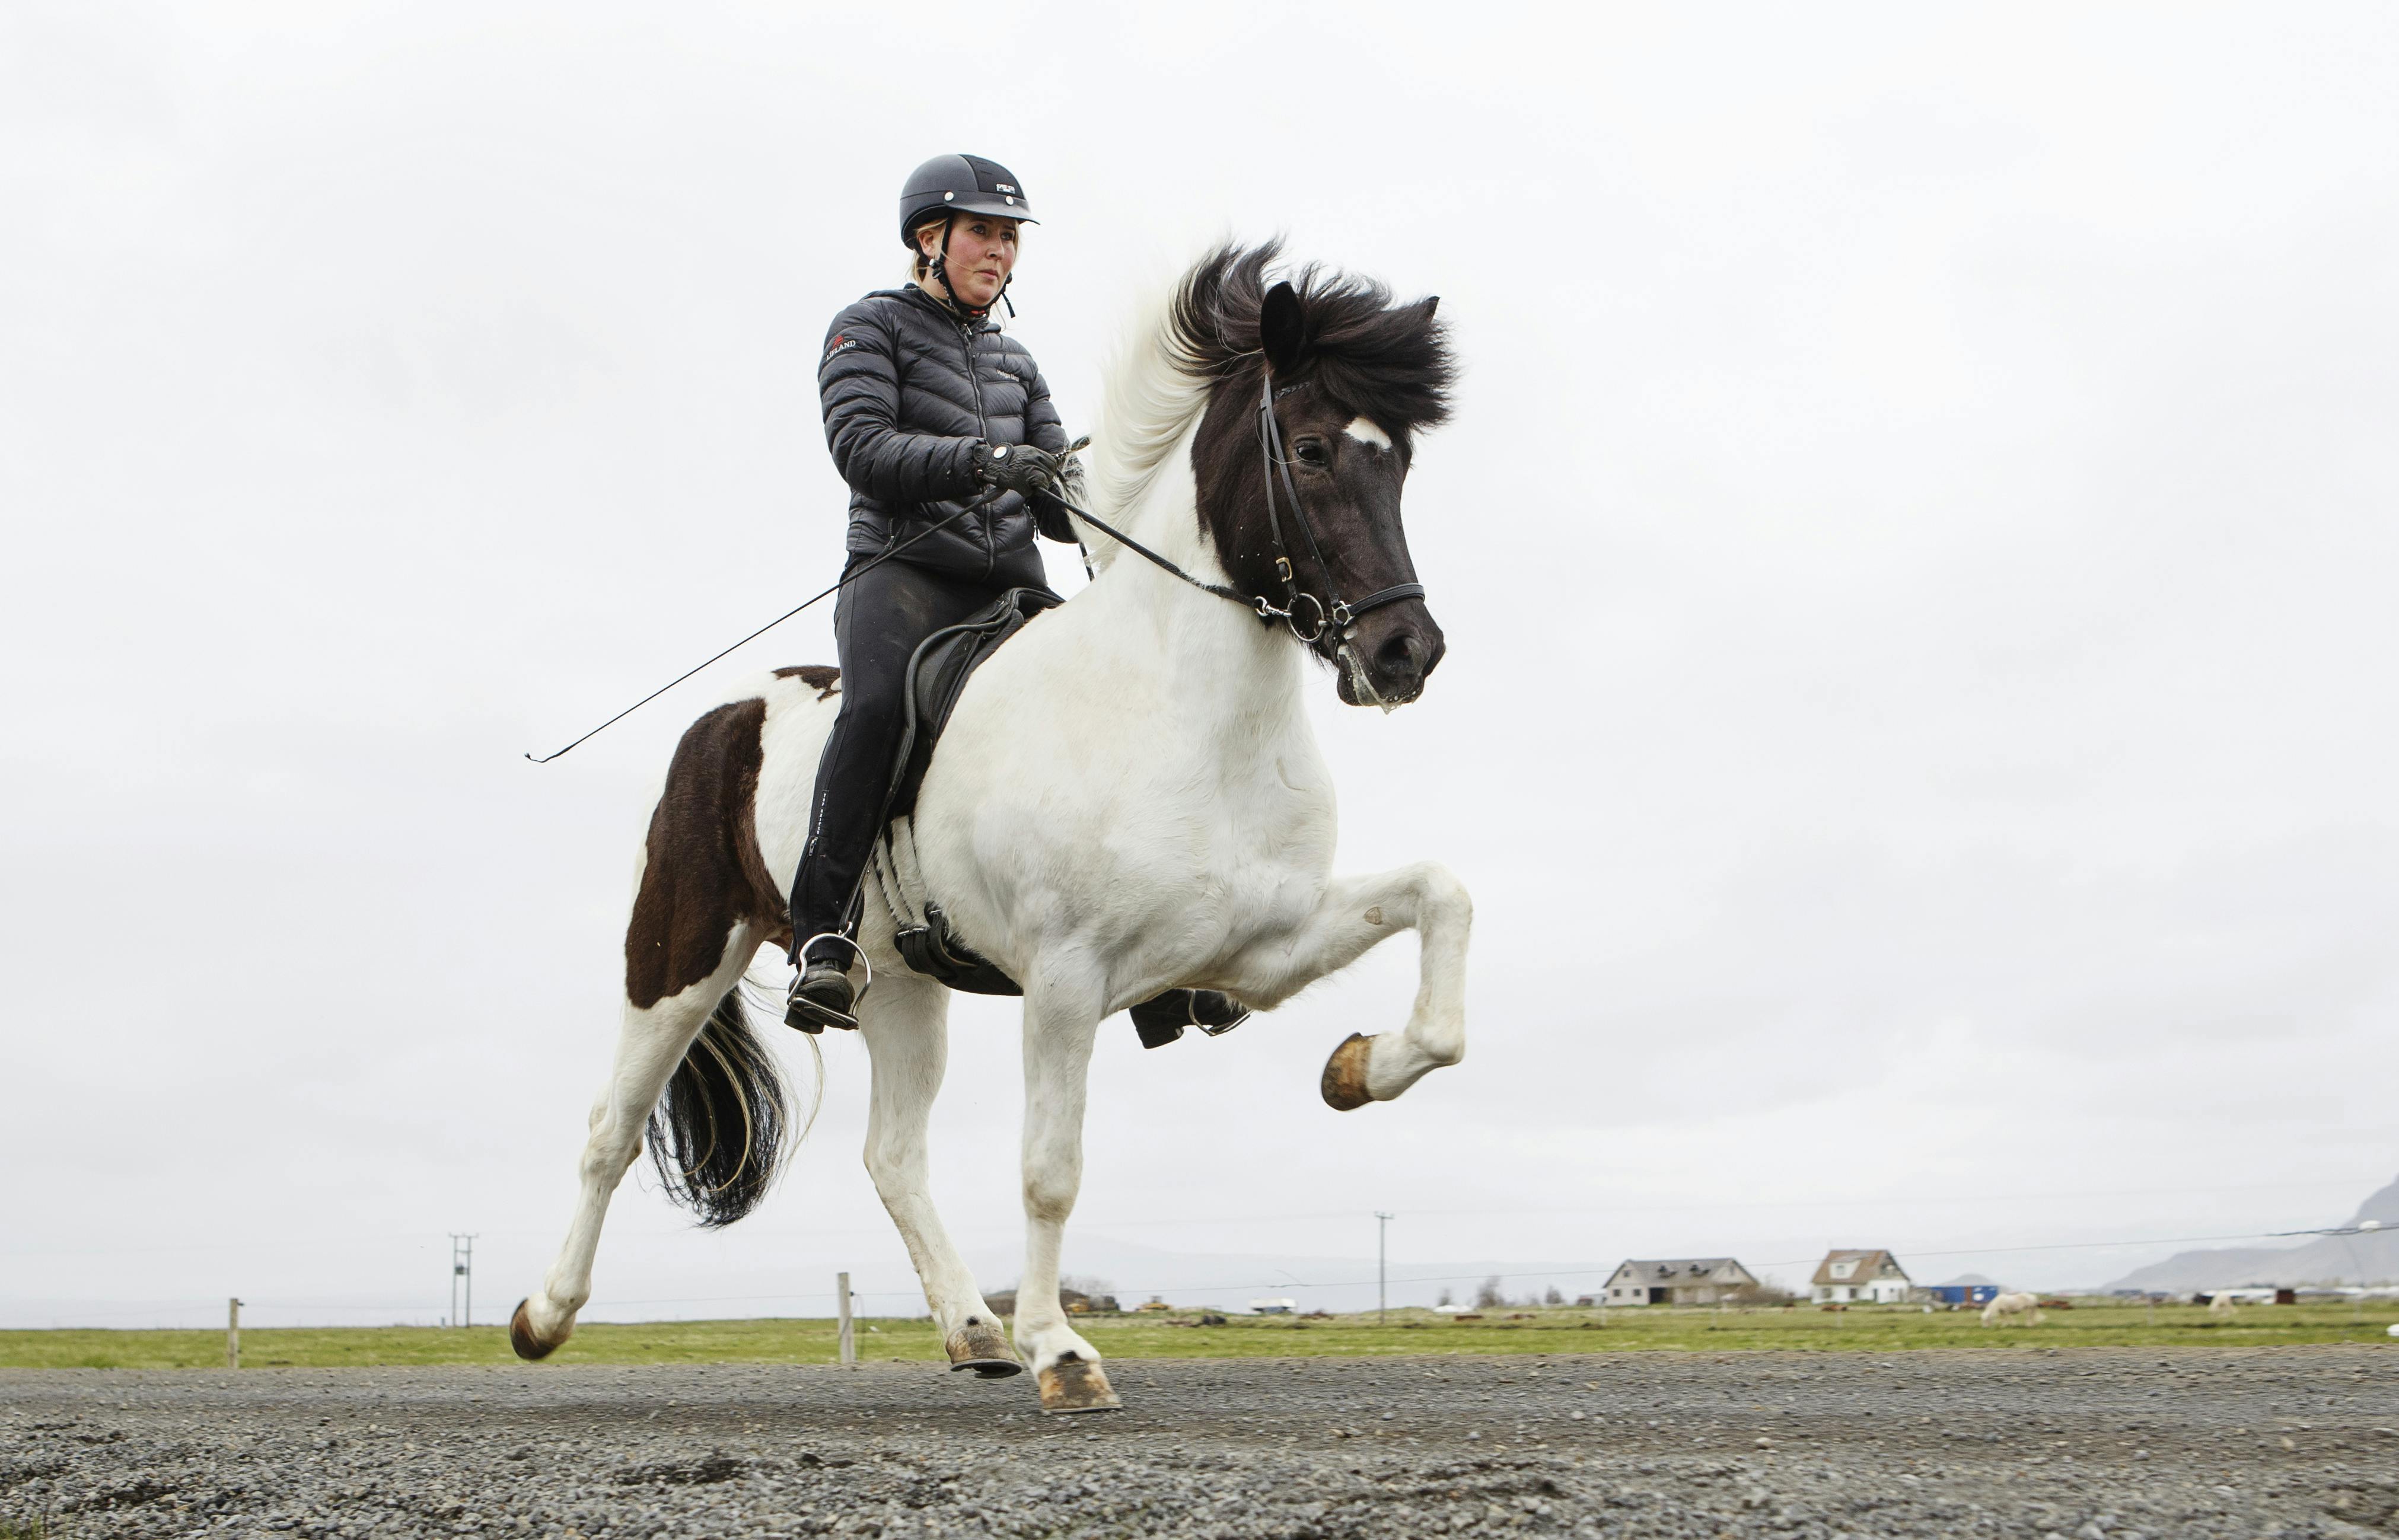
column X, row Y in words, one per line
column 719, row 1134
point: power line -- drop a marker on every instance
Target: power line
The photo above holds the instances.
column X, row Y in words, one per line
column 1089, row 1224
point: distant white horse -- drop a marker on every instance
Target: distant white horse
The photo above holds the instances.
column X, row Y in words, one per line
column 1128, row 798
column 2020, row 1309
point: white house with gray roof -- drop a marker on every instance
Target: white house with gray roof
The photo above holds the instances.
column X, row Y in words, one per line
column 1677, row 1280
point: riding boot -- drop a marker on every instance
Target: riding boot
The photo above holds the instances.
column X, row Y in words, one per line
column 821, row 997
column 1160, row 1021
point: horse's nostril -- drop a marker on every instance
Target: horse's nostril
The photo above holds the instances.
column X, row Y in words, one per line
column 1402, row 655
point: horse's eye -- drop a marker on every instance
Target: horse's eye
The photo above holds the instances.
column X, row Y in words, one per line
column 1310, row 452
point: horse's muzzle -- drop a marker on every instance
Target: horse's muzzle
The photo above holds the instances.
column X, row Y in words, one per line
column 1389, row 655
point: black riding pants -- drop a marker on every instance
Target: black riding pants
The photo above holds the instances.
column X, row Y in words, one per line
column 878, row 620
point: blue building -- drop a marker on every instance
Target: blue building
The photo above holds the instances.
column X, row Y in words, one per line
column 1963, row 1293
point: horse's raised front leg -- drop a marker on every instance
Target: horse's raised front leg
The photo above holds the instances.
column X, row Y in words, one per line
column 906, row 1021
column 1354, row 914
column 650, row 1043
column 1061, row 1022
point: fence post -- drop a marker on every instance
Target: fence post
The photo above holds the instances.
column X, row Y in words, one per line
column 233, row 1334
column 848, row 1332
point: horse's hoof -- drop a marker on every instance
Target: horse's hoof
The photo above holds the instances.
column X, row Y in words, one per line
column 1345, row 1073
column 985, row 1349
column 1076, row 1384
column 520, row 1336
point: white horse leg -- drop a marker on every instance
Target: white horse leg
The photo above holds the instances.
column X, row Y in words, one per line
column 649, row 1045
column 904, row 1019
column 1354, row 914
column 1060, row 1025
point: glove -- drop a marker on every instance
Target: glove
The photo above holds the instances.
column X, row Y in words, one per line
column 1015, row 467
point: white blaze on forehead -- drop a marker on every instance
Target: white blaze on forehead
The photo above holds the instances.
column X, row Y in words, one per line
column 1367, row 433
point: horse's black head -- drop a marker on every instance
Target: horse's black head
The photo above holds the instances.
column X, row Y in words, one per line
column 1352, row 378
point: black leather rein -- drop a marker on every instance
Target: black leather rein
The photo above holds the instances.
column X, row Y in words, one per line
column 1330, row 611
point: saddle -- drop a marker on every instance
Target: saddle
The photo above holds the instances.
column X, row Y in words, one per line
column 938, row 671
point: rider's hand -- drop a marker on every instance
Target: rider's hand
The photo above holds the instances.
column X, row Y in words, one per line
column 1016, row 467
column 1050, row 513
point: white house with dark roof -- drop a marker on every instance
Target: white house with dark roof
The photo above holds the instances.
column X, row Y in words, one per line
column 1859, row 1277
column 1677, row 1280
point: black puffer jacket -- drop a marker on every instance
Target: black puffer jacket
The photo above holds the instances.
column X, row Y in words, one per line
column 909, row 389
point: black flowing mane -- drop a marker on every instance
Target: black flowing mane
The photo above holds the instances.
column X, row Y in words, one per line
column 1388, row 362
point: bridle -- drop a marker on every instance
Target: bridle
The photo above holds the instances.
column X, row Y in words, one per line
column 1331, row 608
column 1330, row 611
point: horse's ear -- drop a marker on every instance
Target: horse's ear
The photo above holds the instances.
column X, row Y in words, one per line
column 1431, row 303
column 1281, row 329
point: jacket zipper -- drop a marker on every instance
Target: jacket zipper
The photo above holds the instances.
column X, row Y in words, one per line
column 982, row 431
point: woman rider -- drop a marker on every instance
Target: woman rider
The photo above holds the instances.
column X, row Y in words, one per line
column 931, row 410
column 932, row 414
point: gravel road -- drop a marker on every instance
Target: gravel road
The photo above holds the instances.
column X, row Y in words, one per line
column 2075, row 1443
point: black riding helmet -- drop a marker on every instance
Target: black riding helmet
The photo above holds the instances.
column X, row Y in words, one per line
column 960, row 184
column 966, row 185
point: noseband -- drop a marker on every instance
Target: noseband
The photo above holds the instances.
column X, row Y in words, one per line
column 1330, row 611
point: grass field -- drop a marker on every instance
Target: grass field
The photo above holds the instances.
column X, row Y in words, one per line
column 1859, row 1329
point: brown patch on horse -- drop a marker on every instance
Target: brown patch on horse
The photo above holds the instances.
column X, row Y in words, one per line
column 824, row 681
column 705, row 873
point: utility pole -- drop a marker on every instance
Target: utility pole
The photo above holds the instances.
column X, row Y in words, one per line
column 848, row 1335
column 1382, row 1250
column 233, row 1334
column 462, row 1270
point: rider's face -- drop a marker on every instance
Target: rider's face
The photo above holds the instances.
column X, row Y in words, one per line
column 982, row 252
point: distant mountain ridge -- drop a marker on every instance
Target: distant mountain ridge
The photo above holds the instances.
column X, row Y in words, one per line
column 2327, row 1260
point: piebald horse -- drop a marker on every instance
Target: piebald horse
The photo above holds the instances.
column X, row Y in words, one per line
column 1128, row 798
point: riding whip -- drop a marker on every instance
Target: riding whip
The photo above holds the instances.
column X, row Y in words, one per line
column 846, row 577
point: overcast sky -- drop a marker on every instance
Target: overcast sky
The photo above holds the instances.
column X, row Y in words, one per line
column 1916, row 546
